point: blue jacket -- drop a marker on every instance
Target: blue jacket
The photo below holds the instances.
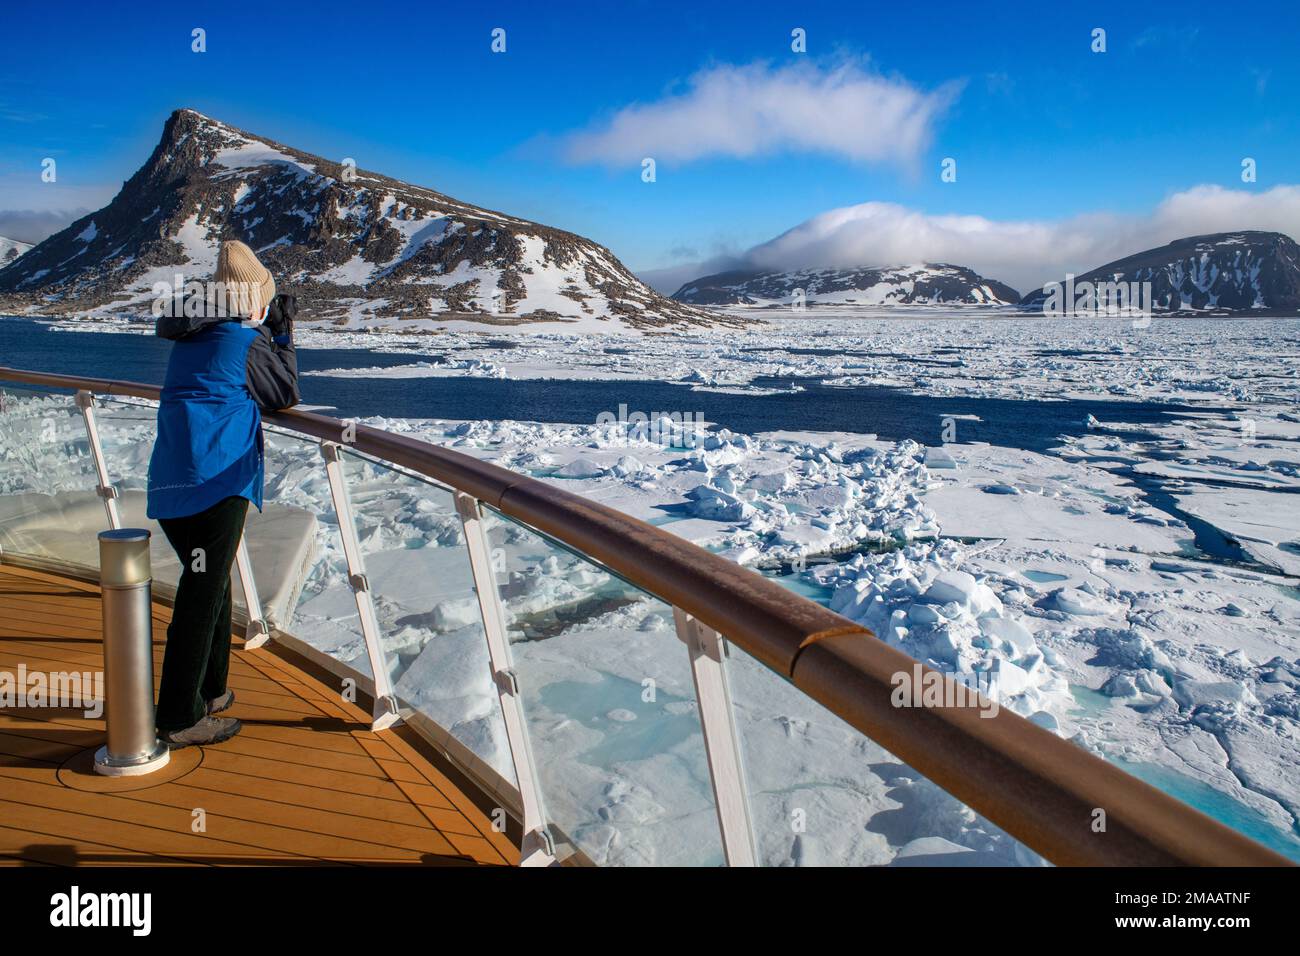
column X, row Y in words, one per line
column 209, row 443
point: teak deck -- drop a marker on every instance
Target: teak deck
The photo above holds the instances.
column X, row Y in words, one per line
column 305, row 783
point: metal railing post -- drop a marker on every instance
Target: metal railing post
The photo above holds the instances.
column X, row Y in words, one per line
column 104, row 488
column 386, row 711
column 708, row 651
column 125, row 579
column 256, row 632
column 538, row 849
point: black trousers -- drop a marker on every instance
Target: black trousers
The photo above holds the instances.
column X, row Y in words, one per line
column 197, row 659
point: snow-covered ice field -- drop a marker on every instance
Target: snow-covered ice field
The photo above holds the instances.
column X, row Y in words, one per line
column 1088, row 596
column 1131, row 586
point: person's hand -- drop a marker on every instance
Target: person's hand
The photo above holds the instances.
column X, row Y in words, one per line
column 279, row 318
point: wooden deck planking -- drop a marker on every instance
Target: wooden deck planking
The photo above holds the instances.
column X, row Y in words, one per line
column 306, row 782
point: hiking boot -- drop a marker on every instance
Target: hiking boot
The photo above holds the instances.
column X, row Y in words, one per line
column 209, row 730
column 217, row 704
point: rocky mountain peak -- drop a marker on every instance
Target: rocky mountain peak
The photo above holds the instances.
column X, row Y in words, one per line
column 921, row 284
column 358, row 247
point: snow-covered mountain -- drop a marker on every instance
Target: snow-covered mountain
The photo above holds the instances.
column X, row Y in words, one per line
column 928, row 283
column 1247, row 272
column 356, row 246
column 11, row 249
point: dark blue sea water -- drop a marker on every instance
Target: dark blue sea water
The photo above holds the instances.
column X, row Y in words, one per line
column 891, row 413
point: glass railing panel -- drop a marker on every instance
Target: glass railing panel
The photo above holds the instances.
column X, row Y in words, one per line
column 43, row 444
column 49, row 508
column 298, row 534
column 127, row 428
column 823, row 794
column 418, row 568
column 609, row 704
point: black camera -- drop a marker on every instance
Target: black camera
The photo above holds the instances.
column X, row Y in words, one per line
column 279, row 317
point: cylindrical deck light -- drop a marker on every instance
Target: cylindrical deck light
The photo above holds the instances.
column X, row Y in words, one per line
column 125, row 580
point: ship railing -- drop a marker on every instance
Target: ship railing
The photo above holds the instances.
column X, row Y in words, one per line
column 519, row 628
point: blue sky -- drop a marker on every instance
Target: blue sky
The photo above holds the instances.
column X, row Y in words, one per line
column 1043, row 129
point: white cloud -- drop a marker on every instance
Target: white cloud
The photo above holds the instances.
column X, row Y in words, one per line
column 1024, row 254
column 753, row 110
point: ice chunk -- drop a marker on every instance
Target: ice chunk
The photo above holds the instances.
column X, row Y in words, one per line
column 717, row 505
column 771, row 482
column 939, row 458
column 924, row 614
column 453, row 614
column 628, row 465
column 1151, row 682
column 951, row 586
column 580, row 467
column 1010, row 630
column 1120, row 685
column 1196, row 693
column 1008, row 679
column 958, row 587
column 1078, row 603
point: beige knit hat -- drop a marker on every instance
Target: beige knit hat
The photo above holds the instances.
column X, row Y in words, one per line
column 245, row 286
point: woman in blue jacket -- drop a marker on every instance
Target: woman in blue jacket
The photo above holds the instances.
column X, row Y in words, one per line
column 233, row 356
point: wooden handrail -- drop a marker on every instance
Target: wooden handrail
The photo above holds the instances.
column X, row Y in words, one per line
column 1055, row 797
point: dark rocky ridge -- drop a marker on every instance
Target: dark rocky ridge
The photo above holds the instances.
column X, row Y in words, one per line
column 350, row 243
column 1226, row 273
column 931, row 284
